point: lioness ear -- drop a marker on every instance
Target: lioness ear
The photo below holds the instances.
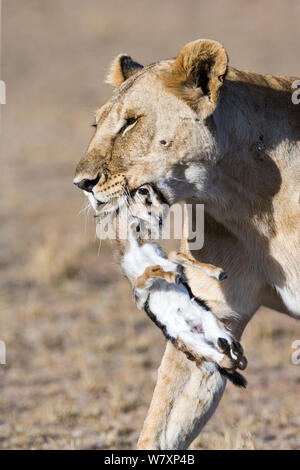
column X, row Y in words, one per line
column 199, row 71
column 122, row 68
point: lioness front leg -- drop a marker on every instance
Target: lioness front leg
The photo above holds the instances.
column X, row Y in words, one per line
column 184, row 399
column 186, row 395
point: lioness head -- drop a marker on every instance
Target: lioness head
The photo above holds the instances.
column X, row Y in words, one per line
column 156, row 125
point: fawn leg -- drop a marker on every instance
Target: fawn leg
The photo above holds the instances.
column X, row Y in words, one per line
column 209, row 269
column 155, row 272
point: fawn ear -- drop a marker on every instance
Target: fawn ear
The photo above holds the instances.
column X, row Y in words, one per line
column 122, row 67
column 198, row 73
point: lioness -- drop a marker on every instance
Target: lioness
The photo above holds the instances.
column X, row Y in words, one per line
column 203, row 132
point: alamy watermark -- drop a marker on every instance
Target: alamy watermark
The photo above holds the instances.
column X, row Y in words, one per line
column 296, row 93
column 2, row 353
column 170, row 223
column 2, row 92
column 295, row 356
column 2, row 83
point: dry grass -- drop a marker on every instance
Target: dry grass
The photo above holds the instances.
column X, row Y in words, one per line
column 81, row 360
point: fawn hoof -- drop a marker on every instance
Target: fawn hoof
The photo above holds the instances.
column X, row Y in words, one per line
column 237, row 348
column 222, row 276
column 243, row 363
column 223, row 345
column 234, row 353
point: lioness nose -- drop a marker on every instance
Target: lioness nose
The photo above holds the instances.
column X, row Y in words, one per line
column 87, row 185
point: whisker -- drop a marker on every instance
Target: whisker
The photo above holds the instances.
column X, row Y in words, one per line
column 83, row 209
column 86, row 217
column 99, row 247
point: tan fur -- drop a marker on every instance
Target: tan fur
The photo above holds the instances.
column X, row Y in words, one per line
column 154, row 271
column 198, row 59
column 121, row 69
column 187, row 260
column 115, row 75
column 233, row 145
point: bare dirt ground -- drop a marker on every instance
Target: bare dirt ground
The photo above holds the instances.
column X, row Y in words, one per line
column 81, row 360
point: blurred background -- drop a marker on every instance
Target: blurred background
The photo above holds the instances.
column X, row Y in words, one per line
column 81, row 360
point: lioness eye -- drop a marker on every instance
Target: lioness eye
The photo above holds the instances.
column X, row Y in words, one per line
column 129, row 122
column 94, row 125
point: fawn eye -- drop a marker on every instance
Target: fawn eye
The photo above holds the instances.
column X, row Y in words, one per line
column 143, row 191
column 94, row 125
